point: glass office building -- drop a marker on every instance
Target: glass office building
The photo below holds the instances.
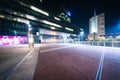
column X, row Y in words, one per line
column 16, row 16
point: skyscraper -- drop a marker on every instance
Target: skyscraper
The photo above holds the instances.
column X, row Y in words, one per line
column 101, row 24
column 96, row 26
column 93, row 25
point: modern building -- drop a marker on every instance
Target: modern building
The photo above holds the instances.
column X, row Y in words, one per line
column 101, row 24
column 96, row 26
column 16, row 16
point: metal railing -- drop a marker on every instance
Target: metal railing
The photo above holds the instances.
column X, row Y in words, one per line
column 101, row 43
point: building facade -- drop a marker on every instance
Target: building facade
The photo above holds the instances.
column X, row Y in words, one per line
column 16, row 16
column 96, row 26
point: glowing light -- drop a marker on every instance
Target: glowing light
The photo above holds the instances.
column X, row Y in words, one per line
column 50, row 23
column 94, row 25
column 39, row 10
column 82, row 33
column 30, row 17
column 52, row 27
column 69, row 13
column 15, row 13
column 73, row 34
column 1, row 16
column 21, row 20
column 81, row 29
column 23, row 4
column 37, row 33
column 69, row 29
column 11, row 40
column 34, row 8
column 31, row 40
column 15, row 32
column 29, row 27
column 57, row 18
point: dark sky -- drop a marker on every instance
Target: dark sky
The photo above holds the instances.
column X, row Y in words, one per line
column 83, row 10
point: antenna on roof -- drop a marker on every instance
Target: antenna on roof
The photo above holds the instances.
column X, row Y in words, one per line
column 94, row 12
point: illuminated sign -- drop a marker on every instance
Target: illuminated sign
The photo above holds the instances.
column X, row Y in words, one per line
column 65, row 17
column 68, row 13
column 11, row 40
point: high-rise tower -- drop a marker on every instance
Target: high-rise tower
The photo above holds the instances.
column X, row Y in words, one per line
column 97, row 25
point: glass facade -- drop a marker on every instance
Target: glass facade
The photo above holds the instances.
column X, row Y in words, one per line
column 17, row 15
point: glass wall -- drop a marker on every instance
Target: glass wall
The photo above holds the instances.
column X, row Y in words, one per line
column 53, row 36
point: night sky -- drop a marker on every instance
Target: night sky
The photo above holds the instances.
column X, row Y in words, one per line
column 83, row 10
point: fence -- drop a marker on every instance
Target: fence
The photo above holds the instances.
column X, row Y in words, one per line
column 101, row 43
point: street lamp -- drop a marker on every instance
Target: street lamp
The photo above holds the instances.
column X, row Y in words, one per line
column 29, row 29
column 30, row 36
column 15, row 32
column 81, row 33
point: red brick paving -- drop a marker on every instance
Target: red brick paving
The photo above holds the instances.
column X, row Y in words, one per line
column 67, row 64
column 111, row 68
column 77, row 63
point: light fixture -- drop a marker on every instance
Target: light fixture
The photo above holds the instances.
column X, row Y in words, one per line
column 73, row 34
column 69, row 29
column 57, row 18
column 30, row 17
column 52, row 27
column 39, row 10
column 2, row 16
column 50, row 23
column 21, row 20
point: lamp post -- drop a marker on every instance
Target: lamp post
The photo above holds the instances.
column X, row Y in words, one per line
column 15, row 33
column 94, row 34
column 29, row 29
column 81, row 33
column 30, row 37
